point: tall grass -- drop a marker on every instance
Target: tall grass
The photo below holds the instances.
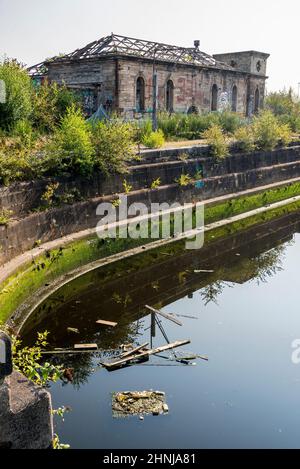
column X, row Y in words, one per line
column 193, row 126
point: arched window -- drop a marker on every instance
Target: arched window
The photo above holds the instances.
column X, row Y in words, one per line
column 234, row 99
column 256, row 100
column 170, row 96
column 214, row 98
column 140, row 94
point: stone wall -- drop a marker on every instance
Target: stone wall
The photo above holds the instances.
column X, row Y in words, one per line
column 25, row 415
column 26, row 420
column 234, row 174
column 113, row 82
column 95, row 79
column 192, row 86
column 23, row 198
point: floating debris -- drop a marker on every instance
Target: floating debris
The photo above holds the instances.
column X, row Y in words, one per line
column 184, row 316
column 133, row 351
column 143, row 355
column 204, row 271
column 107, row 323
column 139, row 403
column 73, row 329
column 164, row 315
column 86, row 347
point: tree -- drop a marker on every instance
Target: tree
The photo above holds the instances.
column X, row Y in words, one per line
column 18, row 93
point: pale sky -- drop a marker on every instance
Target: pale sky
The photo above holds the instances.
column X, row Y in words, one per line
column 31, row 30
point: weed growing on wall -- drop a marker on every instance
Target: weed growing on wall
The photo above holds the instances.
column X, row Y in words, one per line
column 113, row 144
column 154, row 139
column 217, row 141
column 28, row 361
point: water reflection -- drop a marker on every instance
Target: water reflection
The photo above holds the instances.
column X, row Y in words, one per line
column 120, row 292
column 237, row 300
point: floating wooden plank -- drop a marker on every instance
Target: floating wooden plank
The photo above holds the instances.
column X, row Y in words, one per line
column 69, row 352
column 184, row 316
column 165, row 315
column 73, row 329
column 107, row 323
column 146, row 354
column 85, row 347
column 203, row 271
column 134, row 351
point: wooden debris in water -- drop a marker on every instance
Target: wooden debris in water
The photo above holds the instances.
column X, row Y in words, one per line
column 68, row 352
column 134, row 350
column 85, row 347
column 107, row 323
column 144, row 355
column 164, row 315
column 73, row 329
column 194, row 357
column 204, row 271
column 184, row 316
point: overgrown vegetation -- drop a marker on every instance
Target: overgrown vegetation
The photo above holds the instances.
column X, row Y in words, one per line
column 28, row 361
column 286, row 107
column 5, row 216
column 71, row 147
column 114, row 147
column 18, row 103
column 217, row 141
column 44, row 133
column 193, row 126
column 184, row 180
column 154, row 139
column 268, row 132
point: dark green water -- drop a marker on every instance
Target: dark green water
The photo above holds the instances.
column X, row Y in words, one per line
column 244, row 316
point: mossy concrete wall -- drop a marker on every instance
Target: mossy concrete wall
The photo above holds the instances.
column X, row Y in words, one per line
column 23, row 233
column 168, row 165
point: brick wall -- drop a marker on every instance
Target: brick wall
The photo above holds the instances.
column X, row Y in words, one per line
column 114, row 83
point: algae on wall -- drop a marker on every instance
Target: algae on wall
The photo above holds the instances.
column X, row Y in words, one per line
column 52, row 265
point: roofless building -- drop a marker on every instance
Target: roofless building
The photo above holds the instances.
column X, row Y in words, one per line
column 117, row 72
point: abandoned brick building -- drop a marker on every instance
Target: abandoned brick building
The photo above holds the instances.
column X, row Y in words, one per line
column 124, row 74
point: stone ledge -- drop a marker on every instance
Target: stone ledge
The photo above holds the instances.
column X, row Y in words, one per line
column 25, row 414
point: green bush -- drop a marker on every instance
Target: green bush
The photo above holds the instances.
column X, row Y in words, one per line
column 280, row 103
column 245, row 139
column 284, row 134
column 71, row 149
column 230, row 121
column 18, row 105
column 50, row 105
column 154, row 139
column 23, row 130
column 268, row 132
column 286, row 107
column 145, row 128
column 217, row 141
column 13, row 167
column 114, row 146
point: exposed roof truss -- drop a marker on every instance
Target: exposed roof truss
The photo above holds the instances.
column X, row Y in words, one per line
column 115, row 45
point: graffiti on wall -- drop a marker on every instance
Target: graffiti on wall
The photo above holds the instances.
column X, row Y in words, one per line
column 224, row 101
